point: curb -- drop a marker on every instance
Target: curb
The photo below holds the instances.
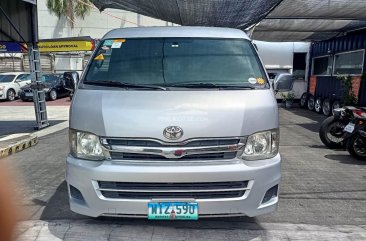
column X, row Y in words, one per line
column 18, row 145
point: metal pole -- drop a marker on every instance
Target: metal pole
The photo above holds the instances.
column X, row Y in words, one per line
column 39, row 97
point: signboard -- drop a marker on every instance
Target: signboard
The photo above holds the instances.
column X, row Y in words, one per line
column 65, row 46
column 11, row 47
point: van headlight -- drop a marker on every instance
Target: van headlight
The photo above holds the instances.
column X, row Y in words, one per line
column 85, row 146
column 261, row 145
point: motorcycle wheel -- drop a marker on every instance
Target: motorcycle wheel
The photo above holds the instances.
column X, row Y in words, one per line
column 331, row 133
column 356, row 146
column 311, row 102
column 327, row 107
column 318, row 105
column 304, row 100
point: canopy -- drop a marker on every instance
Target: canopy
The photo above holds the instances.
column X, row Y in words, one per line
column 269, row 20
column 220, row 13
column 311, row 20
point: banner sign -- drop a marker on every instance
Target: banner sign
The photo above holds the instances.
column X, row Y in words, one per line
column 66, row 46
column 11, row 47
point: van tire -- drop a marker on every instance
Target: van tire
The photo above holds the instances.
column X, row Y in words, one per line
column 318, row 106
column 304, row 100
column 311, row 102
column 327, row 107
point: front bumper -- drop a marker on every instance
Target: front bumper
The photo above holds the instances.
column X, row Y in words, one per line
column 262, row 176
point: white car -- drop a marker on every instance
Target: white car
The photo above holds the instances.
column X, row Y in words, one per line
column 11, row 82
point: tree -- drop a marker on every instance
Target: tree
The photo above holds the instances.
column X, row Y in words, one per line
column 71, row 9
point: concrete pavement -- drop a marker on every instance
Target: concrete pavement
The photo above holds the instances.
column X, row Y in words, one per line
column 322, row 196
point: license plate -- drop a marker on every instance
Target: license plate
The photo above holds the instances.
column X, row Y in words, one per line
column 172, row 211
column 28, row 94
column 349, row 128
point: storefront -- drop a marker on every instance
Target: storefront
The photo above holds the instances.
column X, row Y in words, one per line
column 331, row 59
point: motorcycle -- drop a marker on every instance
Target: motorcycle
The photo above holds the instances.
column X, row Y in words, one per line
column 331, row 130
column 355, row 134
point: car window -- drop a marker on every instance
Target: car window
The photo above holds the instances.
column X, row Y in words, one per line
column 48, row 78
column 24, row 77
column 6, row 78
column 168, row 61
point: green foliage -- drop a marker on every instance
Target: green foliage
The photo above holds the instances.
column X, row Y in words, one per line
column 71, row 9
column 289, row 96
column 349, row 97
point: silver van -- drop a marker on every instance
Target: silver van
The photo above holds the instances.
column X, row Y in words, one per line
column 174, row 123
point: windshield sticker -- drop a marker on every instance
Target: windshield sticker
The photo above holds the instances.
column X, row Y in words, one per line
column 99, row 57
column 261, row 81
column 108, row 42
column 253, row 81
column 105, row 48
column 120, row 40
column 116, row 45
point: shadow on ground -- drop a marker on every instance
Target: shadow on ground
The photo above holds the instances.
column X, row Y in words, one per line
column 14, row 127
column 345, row 159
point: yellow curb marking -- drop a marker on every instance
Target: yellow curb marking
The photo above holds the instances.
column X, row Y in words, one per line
column 20, row 146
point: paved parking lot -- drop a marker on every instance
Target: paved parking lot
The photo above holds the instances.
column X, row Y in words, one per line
column 322, row 196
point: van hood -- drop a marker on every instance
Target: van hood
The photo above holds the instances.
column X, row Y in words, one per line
column 201, row 114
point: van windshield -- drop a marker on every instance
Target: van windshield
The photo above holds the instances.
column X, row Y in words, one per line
column 177, row 62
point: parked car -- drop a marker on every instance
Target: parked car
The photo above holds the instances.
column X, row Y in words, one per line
column 55, row 88
column 11, row 83
column 174, row 123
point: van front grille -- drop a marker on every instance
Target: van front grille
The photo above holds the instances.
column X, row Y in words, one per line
column 188, row 150
column 196, row 157
column 156, row 143
column 205, row 190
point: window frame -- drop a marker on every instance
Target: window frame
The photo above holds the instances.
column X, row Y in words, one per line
column 348, row 52
column 322, row 56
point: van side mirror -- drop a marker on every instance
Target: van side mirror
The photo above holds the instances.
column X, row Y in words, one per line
column 284, row 83
column 71, row 80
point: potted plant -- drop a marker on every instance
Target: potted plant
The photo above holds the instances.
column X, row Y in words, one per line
column 288, row 98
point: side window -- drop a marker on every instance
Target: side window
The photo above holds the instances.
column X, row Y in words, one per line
column 24, row 77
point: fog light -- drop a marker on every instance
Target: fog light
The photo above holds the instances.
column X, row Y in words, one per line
column 75, row 193
column 270, row 194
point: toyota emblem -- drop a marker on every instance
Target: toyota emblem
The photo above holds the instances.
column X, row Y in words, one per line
column 173, row 132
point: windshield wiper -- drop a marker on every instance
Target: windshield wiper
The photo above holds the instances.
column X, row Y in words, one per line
column 211, row 86
column 124, row 85
column 195, row 85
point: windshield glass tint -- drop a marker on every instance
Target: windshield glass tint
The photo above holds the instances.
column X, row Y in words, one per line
column 171, row 61
column 50, row 78
column 6, row 78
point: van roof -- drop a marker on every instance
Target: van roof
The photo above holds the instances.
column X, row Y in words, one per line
column 156, row 32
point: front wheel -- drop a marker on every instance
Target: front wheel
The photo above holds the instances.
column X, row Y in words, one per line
column 356, row 146
column 10, row 95
column 53, row 95
column 331, row 133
